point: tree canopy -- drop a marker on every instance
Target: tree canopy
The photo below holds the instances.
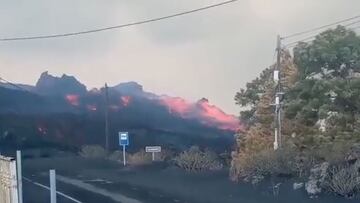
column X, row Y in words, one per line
column 321, row 80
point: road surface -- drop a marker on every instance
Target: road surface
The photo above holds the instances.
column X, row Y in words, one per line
column 35, row 194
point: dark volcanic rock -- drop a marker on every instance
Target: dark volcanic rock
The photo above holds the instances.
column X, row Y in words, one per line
column 50, row 85
column 129, row 88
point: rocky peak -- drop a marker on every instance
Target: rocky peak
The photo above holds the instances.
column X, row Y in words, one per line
column 129, row 88
column 51, row 85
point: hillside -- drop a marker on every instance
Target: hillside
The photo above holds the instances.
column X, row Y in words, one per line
column 62, row 111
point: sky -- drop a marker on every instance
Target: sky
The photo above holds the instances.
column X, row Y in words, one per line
column 209, row 54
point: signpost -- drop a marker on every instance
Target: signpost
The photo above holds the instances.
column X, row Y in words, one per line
column 153, row 150
column 124, row 141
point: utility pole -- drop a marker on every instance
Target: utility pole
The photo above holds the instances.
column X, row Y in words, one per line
column 278, row 97
column 106, row 118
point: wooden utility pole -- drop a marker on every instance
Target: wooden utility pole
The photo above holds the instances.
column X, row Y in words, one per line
column 106, row 118
column 278, row 97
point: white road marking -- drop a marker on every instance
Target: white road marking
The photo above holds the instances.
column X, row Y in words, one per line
column 89, row 187
column 46, row 187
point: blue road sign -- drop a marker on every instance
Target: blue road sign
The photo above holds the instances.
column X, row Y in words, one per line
column 123, row 138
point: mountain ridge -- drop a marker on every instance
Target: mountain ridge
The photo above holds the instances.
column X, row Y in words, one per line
column 76, row 95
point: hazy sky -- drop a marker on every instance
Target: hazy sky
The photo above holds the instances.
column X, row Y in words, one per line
column 208, row 54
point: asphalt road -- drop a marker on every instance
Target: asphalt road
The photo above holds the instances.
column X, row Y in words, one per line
column 107, row 182
column 36, row 194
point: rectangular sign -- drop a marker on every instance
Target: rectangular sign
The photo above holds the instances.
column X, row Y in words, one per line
column 124, row 138
column 153, row 149
column 276, row 75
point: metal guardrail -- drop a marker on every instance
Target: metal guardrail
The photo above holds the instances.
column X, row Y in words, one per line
column 11, row 181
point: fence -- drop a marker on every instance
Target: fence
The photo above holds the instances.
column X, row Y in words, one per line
column 11, row 182
column 8, row 180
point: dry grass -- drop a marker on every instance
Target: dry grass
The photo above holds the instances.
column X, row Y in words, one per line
column 116, row 156
column 196, row 160
column 343, row 180
column 93, row 152
column 263, row 163
column 139, row 158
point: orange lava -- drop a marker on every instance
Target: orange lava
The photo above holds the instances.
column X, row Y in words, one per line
column 207, row 114
column 125, row 100
column 72, row 99
column 176, row 104
column 215, row 114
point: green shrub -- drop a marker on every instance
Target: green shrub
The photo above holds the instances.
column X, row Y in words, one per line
column 334, row 152
column 196, row 160
column 264, row 163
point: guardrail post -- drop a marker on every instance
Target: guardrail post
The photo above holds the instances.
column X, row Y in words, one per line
column 52, row 186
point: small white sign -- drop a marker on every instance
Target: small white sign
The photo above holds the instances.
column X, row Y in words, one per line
column 277, row 100
column 123, row 136
column 153, row 149
column 276, row 75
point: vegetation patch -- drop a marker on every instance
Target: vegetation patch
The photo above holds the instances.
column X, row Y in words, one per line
column 320, row 117
column 93, row 152
column 194, row 160
column 343, row 180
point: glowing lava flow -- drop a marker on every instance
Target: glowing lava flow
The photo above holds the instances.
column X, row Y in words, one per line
column 125, row 100
column 176, row 105
column 214, row 115
column 72, row 99
column 207, row 114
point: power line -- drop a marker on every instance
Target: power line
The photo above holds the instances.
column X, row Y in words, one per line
column 355, row 28
column 321, row 27
column 307, row 39
column 353, row 23
column 117, row 26
column 312, row 37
